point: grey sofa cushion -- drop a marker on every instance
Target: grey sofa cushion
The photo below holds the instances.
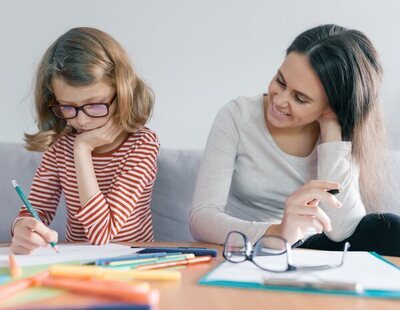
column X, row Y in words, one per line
column 20, row 164
column 172, row 196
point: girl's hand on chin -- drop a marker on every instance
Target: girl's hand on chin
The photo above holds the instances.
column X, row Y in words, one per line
column 95, row 138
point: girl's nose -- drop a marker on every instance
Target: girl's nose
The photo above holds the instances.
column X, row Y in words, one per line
column 82, row 118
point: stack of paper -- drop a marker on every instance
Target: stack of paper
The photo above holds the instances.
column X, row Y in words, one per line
column 369, row 271
column 68, row 253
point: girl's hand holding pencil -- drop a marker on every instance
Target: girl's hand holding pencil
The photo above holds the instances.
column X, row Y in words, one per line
column 31, row 233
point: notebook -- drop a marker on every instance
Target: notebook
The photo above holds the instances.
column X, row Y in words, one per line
column 68, row 253
column 375, row 276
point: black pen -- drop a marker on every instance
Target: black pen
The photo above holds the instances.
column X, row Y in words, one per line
column 333, row 191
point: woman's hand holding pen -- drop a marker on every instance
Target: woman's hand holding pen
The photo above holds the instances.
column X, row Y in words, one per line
column 30, row 234
column 302, row 212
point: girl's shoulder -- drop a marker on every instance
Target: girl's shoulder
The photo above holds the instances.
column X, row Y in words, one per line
column 142, row 135
column 63, row 142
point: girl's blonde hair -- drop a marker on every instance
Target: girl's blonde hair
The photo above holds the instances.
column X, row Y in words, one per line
column 80, row 57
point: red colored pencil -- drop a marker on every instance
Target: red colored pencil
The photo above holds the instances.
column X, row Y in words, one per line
column 10, row 289
column 106, row 288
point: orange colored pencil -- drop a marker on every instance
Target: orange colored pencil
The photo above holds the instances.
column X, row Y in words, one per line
column 10, row 289
column 15, row 269
column 196, row 260
column 106, row 288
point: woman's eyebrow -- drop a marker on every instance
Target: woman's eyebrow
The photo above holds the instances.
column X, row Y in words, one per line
column 299, row 92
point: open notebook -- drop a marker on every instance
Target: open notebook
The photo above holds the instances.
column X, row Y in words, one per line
column 373, row 274
column 68, row 253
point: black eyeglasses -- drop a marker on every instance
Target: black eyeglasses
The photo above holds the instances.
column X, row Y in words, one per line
column 270, row 253
column 64, row 111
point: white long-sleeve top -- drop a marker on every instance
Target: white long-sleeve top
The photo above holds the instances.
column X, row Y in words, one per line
column 245, row 178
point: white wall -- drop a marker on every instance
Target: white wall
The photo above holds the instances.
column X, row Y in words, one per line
column 196, row 54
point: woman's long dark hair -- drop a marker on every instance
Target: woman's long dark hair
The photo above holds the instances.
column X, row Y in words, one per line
column 350, row 71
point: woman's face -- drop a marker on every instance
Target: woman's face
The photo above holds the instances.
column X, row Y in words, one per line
column 77, row 96
column 296, row 97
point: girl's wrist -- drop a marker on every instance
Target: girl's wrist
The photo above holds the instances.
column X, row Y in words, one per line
column 80, row 147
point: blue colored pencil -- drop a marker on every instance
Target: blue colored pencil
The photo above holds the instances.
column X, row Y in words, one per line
column 105, row 261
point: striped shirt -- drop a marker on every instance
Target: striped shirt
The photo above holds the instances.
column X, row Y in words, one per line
column 120, row 211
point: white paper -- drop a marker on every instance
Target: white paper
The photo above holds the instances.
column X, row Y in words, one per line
column 68, row 253
column 359, row 267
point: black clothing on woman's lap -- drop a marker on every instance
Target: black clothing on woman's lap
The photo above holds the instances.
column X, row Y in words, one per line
column 378, row 232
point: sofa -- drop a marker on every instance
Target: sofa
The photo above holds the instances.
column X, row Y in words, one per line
column 172, row 196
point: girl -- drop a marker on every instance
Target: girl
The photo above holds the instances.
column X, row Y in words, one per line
column 271, row 160
column 91, row 109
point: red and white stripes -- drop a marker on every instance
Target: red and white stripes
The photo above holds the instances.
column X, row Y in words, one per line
column 120, row 211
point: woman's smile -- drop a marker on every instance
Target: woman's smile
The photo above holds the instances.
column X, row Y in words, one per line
column 278, row 113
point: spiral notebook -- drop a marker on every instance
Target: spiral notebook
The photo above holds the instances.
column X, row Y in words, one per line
column 362, row 274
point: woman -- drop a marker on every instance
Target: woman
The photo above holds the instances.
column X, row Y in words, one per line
column 271, row 160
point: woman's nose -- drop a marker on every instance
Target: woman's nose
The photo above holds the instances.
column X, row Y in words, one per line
column 282, row 98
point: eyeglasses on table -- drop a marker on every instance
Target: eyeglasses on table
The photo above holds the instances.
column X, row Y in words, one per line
column 270, row 253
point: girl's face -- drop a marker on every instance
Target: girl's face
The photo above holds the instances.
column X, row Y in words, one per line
column 77, row 96
column 296, row 97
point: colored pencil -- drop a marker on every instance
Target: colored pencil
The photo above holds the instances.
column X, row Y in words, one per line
column 105, row 288
column 201, row 259
column 31, row 209
column 15, row 269
column 79, row 271
column 146, row 261
column 10, row 289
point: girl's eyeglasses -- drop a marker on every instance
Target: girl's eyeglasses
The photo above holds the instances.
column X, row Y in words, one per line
column 64, row 111
column 270, row 253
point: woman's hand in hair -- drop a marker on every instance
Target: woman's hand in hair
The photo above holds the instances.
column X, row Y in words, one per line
column 330, row 126
column 302, row 213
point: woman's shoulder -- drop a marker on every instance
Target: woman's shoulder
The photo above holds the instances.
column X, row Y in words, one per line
column 243, row 108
